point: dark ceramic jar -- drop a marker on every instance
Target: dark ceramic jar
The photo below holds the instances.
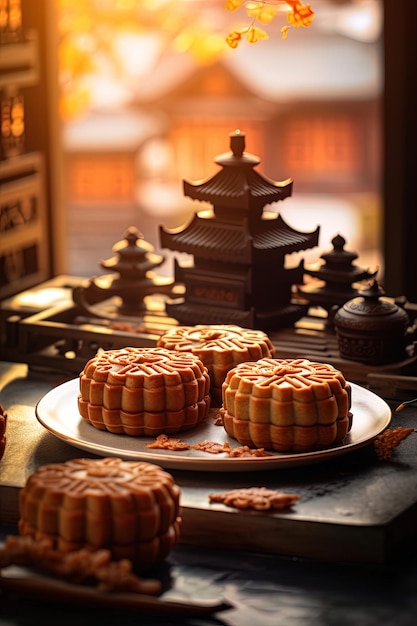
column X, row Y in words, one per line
column 371, row 328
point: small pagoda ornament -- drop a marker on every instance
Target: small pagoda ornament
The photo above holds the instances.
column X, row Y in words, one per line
column 132, row 277
column 338, row 273
column 238, row 274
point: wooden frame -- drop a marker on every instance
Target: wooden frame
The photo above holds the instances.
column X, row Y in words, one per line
column 400, row 157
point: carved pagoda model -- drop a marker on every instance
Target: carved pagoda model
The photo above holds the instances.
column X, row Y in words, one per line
column 132, row 277
column 238, row 274
column 338, row 273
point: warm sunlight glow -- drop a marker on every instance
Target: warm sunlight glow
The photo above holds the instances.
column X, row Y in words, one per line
column 150, row 91
column 362, row 22
column 122, row 41
column 137, row 53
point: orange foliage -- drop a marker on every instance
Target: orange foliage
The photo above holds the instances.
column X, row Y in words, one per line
column 265, row 11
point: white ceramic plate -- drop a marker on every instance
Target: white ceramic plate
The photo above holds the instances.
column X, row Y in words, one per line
column 58, row 412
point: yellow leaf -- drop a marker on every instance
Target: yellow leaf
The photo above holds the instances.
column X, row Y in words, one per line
column 265, row 13
column 284, row 31
column 233, row 39
column 232, row 5
column 255, row 34
column 301, row 15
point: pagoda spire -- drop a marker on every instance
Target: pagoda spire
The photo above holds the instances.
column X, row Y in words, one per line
column 132, row 277
column 338, row 275
column 237, row 190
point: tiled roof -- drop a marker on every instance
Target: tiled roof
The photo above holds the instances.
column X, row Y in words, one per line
column 211, row 238
column 239, row 187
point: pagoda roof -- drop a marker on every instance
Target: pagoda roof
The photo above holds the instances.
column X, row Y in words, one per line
column 218, row 240
column 239, row 188
column 237, row 185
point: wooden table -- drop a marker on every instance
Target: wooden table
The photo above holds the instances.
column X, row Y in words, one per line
column 351, row 509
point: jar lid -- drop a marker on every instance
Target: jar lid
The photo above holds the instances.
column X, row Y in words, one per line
column 371, row 304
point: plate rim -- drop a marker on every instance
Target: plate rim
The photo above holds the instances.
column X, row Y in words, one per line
column 201, row 463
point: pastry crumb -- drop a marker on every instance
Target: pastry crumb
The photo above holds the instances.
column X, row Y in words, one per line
column 214, row 447
column 257, row 498
column 387, row 441
column 82, row 566
column 163, row 442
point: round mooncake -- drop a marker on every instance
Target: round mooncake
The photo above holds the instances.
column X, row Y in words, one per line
column 144, row 391
column 286, row 405
column 220, row 348
column 128, row 507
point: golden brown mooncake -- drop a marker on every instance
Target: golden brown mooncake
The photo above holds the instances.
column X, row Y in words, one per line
column 128, row 507
column 286, row 405
column 144, row 391
column 220, row 347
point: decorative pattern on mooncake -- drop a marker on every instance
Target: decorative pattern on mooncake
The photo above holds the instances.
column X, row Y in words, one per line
column 144, row 391
column 220, row 347
column 128, row 507
column 286, row 405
